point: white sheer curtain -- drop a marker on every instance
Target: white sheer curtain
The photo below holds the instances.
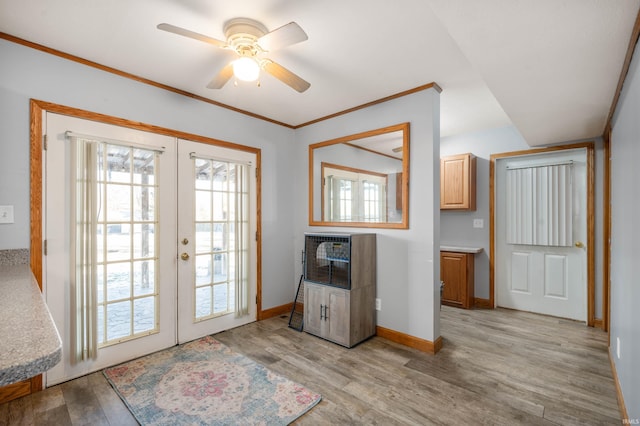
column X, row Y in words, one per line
column 83, row 273
column 539, row 205
column 241, row 225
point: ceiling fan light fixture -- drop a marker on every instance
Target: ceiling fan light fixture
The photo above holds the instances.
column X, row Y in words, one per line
column 246, row 69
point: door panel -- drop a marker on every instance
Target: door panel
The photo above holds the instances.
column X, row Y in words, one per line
column 338, row 315
column 314, row 297
column 211, row 192
column 136, row 250
column 548, row 279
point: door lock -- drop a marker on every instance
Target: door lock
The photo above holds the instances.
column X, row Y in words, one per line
column 184, row 256
column 185, row 241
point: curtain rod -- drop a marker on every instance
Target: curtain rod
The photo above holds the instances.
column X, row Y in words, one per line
column 129, row 144
column 562, row 163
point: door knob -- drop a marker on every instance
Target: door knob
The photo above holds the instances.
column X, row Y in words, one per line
column 184, row 256
column 579, row 244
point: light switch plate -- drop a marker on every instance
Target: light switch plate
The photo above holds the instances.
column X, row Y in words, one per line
column 478, row 223
column 6, row 214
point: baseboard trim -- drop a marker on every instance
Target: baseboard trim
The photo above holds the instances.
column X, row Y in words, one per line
column 274, row 312
column 598, row 323
column 621, row 405
column 482, row 303
column 411, row 341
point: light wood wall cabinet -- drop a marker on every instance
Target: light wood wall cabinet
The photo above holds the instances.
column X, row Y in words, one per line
column 456, row 271
column 340, row 287
column 458, row 182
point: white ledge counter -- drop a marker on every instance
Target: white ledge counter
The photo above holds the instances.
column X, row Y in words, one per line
column 29, row 340
column 458, row 249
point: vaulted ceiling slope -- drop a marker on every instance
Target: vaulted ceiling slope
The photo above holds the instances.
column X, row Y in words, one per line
column 550, row 67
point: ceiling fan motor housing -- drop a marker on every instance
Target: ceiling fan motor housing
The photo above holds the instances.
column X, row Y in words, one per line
column 243, row 34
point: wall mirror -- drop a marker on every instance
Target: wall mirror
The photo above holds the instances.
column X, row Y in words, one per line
column 361, row 180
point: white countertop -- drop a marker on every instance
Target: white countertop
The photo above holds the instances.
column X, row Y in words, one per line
column 459, row 249
column 29, row 341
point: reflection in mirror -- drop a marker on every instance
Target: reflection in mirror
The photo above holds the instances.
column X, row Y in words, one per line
column 361, row 180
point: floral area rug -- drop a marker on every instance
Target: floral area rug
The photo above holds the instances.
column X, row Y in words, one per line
column 205, row 383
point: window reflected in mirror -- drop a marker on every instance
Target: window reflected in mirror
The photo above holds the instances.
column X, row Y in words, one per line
column 361, row 180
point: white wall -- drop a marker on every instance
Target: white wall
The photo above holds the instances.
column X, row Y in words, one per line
column 26, row 73
column 457, row 227
column 406, row 268
column 625, row 234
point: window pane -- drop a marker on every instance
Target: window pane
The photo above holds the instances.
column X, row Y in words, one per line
column 118, row 164
column 203, row 302
column 203, row 269
column 203, row 206
column 118, row 242
column 143, row 314
column 143, row 203
column 203, row 173
column 118, row 281
column 143, row 278
column 118, row 320
column 220, row 298
column 144, row 240
column 118, row 203
column 203, row 238
column 219, row 267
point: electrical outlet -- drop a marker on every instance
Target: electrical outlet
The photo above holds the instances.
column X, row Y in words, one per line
column 618, row 347
column 378, row 304
column 6, row 214
column 478, row 223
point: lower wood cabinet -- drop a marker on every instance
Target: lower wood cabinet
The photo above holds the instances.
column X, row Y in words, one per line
column 456, row 271
column 20, row 389
column 345, row 317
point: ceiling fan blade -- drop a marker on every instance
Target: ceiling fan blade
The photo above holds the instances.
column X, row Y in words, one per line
column 187, row 33
column 285, row 76
column 221, row 79
column 284, row 36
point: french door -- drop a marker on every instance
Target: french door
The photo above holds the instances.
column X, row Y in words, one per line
column 217, row 244
column 148, row 241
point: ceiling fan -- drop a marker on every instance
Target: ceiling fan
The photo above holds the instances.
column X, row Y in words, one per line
column 251, row 40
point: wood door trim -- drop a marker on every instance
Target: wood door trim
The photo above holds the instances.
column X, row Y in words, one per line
column 606, row 233
column 590, row 218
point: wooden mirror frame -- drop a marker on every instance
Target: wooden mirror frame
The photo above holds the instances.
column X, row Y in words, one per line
column 404, row 222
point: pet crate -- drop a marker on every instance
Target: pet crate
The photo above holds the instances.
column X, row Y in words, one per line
column 328, row 259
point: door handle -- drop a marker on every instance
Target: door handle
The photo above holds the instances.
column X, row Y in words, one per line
column 184, row 256
column 579, row 244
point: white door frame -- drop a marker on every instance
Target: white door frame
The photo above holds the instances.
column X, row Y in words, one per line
column 590, row 220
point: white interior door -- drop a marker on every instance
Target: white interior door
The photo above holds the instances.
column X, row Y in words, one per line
column 540, row 266
column 216, row 232
column 135, row 239
column 174, row 238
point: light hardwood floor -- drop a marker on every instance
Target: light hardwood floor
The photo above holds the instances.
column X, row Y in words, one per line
column 497, row 367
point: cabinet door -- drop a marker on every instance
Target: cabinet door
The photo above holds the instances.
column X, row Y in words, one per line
column 457, row 182
column 453, row 271
column 338, row 315
column 313, row 301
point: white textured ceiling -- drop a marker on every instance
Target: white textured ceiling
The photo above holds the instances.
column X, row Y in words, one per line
column 550, row 67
